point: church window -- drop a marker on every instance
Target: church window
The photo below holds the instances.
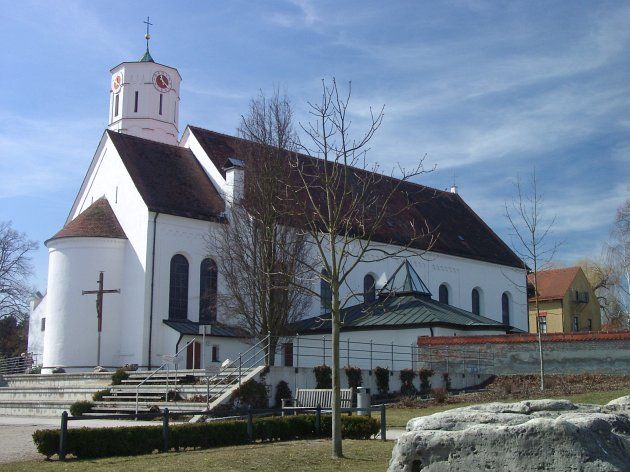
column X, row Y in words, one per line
column 161, row 96
column 43, row 325
column 476, row 301
column 325, row 293
column 208, row 291
column 215, row 353
column 443, row 294
column 369, row 289
column 135, row 103
column 116, row 103
column 505, row 308
column 178, row 290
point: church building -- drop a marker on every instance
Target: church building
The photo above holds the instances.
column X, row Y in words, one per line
column 151, row 197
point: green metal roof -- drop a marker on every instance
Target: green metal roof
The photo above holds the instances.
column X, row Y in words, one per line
column 147, row 57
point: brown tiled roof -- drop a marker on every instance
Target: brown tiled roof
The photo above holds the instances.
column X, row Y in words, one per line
column 554, row 283
column 96, row 221
column 169, row 178
column 459, row 230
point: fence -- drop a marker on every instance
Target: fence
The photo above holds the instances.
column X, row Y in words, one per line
column 17, row 365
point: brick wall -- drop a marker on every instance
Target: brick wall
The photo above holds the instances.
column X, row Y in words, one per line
column 569, row 353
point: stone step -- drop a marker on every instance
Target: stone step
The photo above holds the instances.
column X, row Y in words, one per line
column 162, row 389
column 33, row 407
column 77, row 379
column 131, row 406
column 62, row 394
column 141, row 398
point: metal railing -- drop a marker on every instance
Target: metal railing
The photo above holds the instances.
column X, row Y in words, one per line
column 166, row 365
column 17, row 365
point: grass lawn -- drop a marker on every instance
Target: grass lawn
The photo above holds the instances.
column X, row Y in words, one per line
column 274, row 457
column 398, row 417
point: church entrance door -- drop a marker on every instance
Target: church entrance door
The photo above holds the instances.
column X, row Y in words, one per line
column 193, row 356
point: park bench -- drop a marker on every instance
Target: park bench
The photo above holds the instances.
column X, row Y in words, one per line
column 307, row 398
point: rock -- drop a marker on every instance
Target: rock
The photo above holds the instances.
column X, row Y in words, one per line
column 621, row 401
column 533, row 435
column 58, row 370
column 130, row 367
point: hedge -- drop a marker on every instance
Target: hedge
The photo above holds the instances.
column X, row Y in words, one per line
column 90, row 443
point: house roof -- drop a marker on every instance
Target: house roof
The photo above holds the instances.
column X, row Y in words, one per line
column 96, row 221
column 554, row 283
column 169, row 178
column 457, row 228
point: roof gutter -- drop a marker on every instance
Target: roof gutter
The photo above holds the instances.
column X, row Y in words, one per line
column 152, row 286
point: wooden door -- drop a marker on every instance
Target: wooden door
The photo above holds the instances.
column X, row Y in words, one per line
column 193, row 352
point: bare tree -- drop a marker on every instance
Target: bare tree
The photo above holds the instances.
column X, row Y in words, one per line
column 618, row 258
column 15, row 270
column 259, row 254
column 531, row 232
column 349, row 212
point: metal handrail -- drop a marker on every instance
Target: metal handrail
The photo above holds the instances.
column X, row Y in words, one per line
column 157, row 370
column 16, row 365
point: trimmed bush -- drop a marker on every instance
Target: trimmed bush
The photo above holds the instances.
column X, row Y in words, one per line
column 81, row 407
column 323, row 376
column 282, row 392
column 118, row 376
column 355, row 377
column 425, row 383
column 98, row 396
column 382, row 380
column 91, row 443
column 251, row 394
column 406, row 379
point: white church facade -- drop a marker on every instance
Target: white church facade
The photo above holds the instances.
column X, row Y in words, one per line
column 143, row 215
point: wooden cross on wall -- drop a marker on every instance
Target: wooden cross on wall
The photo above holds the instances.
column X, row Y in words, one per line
column 99, row 310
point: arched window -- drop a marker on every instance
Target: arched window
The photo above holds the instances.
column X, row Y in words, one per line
column 178, row 288
column 443, row 294
column 369, row 289
column 476, row 301
column 505, row 308
column 325, row 293
column 208, row 291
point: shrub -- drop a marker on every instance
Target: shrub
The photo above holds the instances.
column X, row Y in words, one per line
column 119, row 376
column 323, row 376
column 447, row 380
column 439, row 394
column 80, row 407
column 382, row 380
column 251, row 394
column 98, row 396
column 406, row 378
column 355, row 377
column 90, row 443
column 425, row 383
column 282, row 392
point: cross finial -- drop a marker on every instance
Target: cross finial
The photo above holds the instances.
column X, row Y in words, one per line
column 148, row 36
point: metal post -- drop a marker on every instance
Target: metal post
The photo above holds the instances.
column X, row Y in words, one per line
column 250, row 425
column 479, row 361
column 193, row 354
column 324, row 348
column 203, row 347
column 383, row 424
column 63, row 433
column 392, row 356
column 165, row 430
column 413, row 367
column 207, row 390
column 371, row 343
column 447, row 358
column 348, row 353
column 318, row 421
column 240, row 365
column 297, row 355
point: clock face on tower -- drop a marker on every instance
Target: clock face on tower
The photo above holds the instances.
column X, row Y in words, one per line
column 162, row 81
column 117, row 83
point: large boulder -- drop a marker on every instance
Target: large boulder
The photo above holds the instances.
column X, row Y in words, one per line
column 537, row 435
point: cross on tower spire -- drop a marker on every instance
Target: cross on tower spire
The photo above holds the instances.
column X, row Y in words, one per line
column 147, row 56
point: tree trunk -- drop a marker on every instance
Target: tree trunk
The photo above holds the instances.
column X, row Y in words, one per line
column 337, row 451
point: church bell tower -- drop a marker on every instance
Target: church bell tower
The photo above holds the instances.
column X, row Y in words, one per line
column 144, row 99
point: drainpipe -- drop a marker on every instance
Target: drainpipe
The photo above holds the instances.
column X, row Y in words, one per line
column 152, row 286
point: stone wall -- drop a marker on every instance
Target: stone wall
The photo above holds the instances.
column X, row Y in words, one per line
column 574, row 353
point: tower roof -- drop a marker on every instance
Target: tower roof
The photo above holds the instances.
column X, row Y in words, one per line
column 146, row 57
column 405, row 281
column 96, row 221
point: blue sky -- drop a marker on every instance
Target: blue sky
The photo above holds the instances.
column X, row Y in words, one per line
column 487, row 90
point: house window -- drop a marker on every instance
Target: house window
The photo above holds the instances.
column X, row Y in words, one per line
column 476, row 301
column 43, row 324
column 542, row 323
column 325, row 293
column 135, row 103
column 576, row 323
column 443, row 294
column 288, row 354
column 208, row 291
column 161, row 96
column 589, row 324
column 215, row 353
column 369, row 289
column 505, row 308
column 116, row 103
column 178, row 288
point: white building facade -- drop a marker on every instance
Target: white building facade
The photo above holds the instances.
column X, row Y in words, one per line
column 143, row 216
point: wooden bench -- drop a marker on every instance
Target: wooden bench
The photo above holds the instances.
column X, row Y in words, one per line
column 314, row 397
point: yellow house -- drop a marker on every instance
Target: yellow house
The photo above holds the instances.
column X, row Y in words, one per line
column 566, row 301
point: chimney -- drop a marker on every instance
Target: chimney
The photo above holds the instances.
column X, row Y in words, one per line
column 454, row 188
column 234, row 179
